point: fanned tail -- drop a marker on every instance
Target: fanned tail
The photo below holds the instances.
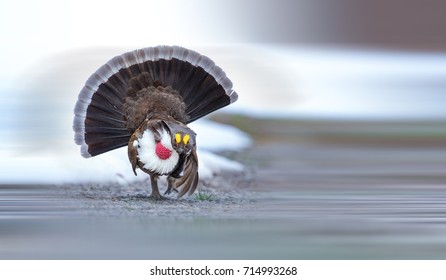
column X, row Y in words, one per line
column 100, row 123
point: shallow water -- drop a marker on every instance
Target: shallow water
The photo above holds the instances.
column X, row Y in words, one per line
column 314, row 191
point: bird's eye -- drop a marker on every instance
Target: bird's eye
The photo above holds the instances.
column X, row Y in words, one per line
column 177, row 138
column 186, row 139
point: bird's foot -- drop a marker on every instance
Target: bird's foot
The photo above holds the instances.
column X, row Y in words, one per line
column 169, row 191
column 156, row 196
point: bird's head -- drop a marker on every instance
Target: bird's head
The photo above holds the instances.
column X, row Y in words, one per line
column 183, row 141
column 182, row 138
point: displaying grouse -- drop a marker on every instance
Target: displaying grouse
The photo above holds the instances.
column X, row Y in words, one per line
column 144, row 99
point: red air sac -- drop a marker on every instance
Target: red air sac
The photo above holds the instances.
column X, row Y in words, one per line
column 162, row 152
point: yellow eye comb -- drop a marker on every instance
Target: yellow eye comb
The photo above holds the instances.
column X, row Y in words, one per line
column 186, row 139
column 177, row 138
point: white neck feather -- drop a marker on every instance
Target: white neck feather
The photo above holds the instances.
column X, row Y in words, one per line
column 147, row 154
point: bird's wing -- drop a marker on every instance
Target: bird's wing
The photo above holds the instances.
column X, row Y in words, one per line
column 133, row 150
column 188, row 183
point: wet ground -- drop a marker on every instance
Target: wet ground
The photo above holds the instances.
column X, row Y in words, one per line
column 312, row 190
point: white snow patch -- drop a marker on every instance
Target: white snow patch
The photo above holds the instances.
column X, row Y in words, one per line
column 219, row 137
column 337, row 83
column 212, row 164
column 64, row 164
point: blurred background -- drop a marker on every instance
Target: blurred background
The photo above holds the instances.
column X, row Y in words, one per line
column 318, row 59
column 323, row 58
column 352, row 92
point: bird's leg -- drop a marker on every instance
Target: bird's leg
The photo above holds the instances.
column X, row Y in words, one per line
column 170, row 185
column 155, row 191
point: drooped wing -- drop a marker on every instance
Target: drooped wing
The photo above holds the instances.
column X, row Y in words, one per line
column 132, row 151
column 189, row 181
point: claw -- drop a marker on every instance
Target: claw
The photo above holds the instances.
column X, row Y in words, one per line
column 169, row 191
column 157, row 197
column 171, row 185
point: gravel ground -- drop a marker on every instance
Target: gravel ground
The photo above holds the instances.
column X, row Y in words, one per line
column 214, row 198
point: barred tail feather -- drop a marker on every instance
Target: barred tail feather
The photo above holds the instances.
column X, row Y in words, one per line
column 99, row 122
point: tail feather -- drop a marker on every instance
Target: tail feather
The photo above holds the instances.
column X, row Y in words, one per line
column 195, row 78
column 99, row 121
column 103, row 145
column 201, row 104
column 100, row 130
